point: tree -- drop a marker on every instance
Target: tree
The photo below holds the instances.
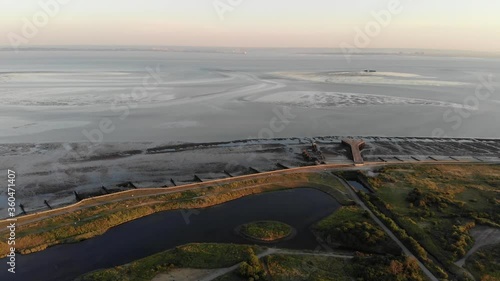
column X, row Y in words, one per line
column 251, row 268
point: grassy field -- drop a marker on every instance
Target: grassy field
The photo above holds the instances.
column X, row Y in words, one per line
column 350, row 227
column 485, row 263
column 437, row 205
column 266, row 230
column 276, row 267
column 201, row 256
column 89, row 222
column 286, row 267
column 320, row 268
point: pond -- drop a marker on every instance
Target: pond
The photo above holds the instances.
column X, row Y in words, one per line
column 359, row 186
column 299, row 207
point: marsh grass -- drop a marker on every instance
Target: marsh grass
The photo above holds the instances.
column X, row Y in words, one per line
column 92, row 221
column 438, row 204
column 199, row 256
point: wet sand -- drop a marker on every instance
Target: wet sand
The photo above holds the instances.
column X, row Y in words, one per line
column 53, row 171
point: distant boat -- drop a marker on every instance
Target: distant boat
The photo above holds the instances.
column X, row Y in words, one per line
column 239, row 51
column 369, row 70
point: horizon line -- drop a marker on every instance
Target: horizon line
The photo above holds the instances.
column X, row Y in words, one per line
column 3, row 46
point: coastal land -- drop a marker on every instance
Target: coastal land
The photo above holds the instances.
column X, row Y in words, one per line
column 423, row 218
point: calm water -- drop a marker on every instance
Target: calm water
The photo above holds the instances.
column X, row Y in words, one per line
column 143, row 237
column 358, row 186
column 48, row 96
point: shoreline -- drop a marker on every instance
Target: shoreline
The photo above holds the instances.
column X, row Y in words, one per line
column 184, row 195
column 51, row 172
column 291, row 235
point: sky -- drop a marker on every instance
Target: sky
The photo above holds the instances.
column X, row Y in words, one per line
column 423, row 24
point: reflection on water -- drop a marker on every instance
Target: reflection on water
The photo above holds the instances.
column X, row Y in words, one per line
column 359, row 186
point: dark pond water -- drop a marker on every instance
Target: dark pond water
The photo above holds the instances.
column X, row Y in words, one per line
column 143, row 237
column 359, row 186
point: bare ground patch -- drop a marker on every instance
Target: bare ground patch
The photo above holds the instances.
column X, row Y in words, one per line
column 183, row 274
column 483, row 236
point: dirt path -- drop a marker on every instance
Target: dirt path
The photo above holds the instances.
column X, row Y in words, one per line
column 271, row 251
column 158, row 202
column 147, row 192
column 223, row 271
column 317, row 254
column 181, row 274
column 483, row 236
column 407, row 252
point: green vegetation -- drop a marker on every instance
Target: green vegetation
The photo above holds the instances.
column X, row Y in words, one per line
column 385, row 268
column 297, row 267
column 485, row 263
column 251, row 269
column 266, row 230
column 321, row 268
column 350, row 227
column 433, row 207
column 203, row 256
column 80, row 224
column 279, row 267
column 292, row 267
column 409, row 241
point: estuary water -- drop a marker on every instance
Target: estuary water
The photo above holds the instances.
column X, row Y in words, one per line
column 100, row 95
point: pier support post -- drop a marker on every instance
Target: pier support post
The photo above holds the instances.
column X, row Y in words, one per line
column 282, row 166
column 198, row 179
column 77, row 196
column 254, row 170
column 47, row 203
column 105, row 189
column 22, row 208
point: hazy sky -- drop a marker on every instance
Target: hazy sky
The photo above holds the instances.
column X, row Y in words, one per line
column 431, row 24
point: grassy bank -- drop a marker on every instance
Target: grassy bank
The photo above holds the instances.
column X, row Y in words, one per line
column 286, row 267
column 92, row 221
column 437, row 205
column 410, row 242
column 350, row 227
column 278, row 267
column 200, row 256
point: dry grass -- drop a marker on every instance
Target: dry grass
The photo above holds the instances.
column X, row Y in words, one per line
column 87, row 223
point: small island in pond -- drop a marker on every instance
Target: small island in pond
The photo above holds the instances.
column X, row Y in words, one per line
column 265, row 231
